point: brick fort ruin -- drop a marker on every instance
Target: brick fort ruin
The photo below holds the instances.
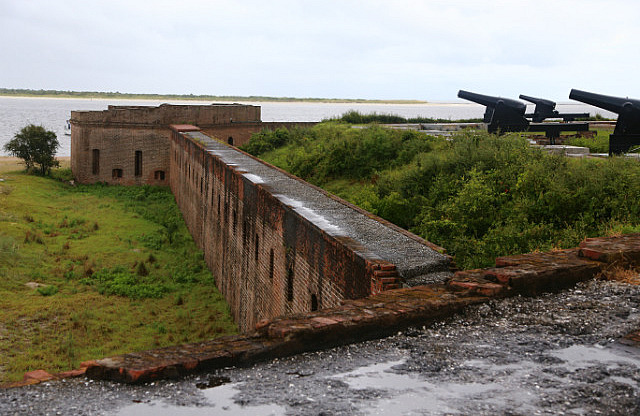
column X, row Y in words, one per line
column 275, row 244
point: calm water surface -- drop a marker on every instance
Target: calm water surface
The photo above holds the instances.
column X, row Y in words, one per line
column 52, row 113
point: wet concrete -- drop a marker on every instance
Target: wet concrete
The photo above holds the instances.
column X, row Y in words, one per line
column 554, row 354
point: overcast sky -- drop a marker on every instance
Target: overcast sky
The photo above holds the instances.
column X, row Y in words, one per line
column 424, row 50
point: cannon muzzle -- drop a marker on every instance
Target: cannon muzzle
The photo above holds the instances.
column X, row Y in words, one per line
column 616, row 105
column 492, row 102
column 539, row 102
column 502, row 114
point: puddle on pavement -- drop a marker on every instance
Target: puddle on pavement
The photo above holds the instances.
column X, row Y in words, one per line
column 508, row 389
column 220, row 402
column 582, row 356
column 418, row 396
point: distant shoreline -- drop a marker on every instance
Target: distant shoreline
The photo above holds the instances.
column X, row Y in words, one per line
column 25, row 93
column 11, row 163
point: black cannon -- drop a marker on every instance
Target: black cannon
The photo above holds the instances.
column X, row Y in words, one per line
column 502, row 114
column 627, row 131
column 547, row 109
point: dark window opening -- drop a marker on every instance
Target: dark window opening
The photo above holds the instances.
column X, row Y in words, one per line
column 138, row 165
column 158, row 175
column 95, row 162
column 314, row 303
column 257, row 247
column 116, row 173
column 271, row 265
column 235, row 221
column 290, row 285
column 230, row 140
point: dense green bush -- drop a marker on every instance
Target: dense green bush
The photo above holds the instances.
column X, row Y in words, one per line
column 331, row 150
column 122, row 282
column 355, row 117
column 478, row 195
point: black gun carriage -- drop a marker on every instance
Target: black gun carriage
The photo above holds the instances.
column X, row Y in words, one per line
column 507, row 115
column 627, row 131
column 547, row 109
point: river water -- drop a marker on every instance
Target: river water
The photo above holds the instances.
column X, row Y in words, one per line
column 52, row 113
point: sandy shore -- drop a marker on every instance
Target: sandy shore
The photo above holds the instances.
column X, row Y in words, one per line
column 9, row 163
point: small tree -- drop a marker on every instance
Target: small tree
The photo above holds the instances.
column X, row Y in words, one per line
column 36, row 146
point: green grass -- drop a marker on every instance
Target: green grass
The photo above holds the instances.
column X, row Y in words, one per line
column 116, row 270
column 598, row 144
column 478, row 195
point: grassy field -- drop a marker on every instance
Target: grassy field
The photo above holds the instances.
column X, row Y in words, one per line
column 93, row 271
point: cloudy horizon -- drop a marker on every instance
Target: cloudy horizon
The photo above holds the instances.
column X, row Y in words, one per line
column 422, row 50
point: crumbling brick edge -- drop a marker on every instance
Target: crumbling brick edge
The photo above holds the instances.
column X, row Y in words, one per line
column 373, row 317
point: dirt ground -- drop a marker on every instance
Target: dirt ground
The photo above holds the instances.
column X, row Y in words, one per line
column 9, row 164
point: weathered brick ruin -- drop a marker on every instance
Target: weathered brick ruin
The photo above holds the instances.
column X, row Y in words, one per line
column 275, row 244
column 129, row 145
column 291, row 255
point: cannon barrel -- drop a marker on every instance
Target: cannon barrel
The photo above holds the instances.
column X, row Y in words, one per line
column 614, row 104
column 490, row 101
column 538, row 101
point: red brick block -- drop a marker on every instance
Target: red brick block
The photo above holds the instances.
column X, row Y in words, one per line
column 483, row 289
column 623, row 250
column 38, row 375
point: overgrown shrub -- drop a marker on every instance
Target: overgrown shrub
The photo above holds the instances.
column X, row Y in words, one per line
column 356, row 117
column 330, row 150
column 478, row 195
column 47, row 290
column 122, row 282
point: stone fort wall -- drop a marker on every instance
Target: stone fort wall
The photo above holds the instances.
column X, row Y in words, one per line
column 275, row 244
column 129, row 145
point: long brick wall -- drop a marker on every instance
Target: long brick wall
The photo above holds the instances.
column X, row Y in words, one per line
column 277, row 245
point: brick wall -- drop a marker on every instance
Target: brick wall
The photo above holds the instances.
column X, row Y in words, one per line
column 99, row 152
column 267, row 260
column 104, row 143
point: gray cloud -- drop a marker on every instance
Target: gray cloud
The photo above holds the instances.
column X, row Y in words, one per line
column 367, row 49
